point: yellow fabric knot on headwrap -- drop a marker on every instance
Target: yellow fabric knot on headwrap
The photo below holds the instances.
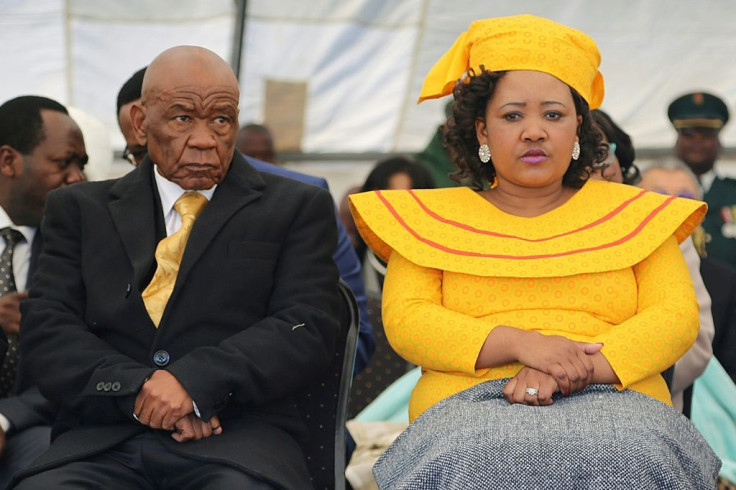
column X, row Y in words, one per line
column 520, row 42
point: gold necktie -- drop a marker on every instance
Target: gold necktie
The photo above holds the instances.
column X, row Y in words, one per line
column 168, row 256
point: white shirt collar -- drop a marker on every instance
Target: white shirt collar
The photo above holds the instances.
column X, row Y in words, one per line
column 28, row 232
column 706, row 179
column 169, row 192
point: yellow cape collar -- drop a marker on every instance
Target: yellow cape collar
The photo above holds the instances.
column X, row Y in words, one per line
column 604, row 226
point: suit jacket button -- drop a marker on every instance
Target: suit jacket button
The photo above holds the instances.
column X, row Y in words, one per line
column 100, row 386
column 107, row 387
column 161, row 358
column 116, row 386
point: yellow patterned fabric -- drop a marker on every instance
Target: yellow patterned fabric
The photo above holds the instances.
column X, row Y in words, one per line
column 603, row 267
column 168, row 256
column 520, row 42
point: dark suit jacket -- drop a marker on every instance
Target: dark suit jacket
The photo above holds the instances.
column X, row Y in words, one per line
column 25, row 407
column 721, row 199
column 251, row 319
column 346, row 260
column 720, row 281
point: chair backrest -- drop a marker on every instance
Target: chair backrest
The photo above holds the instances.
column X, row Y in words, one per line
column 386, row 365
column 324, row 405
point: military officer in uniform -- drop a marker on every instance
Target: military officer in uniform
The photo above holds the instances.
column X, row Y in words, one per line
column 698, row 118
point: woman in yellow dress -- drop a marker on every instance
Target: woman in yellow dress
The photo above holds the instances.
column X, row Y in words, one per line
column 541, row 306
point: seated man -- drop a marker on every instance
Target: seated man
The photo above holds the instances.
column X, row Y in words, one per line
column 347, row 262
column 41, row 148
column 179, row 369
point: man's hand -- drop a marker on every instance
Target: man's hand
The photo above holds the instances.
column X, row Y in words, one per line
column 10, row 311
column 191, row 427
column 162, row 401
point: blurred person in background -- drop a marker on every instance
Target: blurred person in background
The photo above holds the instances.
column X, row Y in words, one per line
column 437, row 158
column 674, row 178
column 256, row 140
column 698, row 118
column 619, row 165
column 392, row 173
column 616, row 164
column 41, row 149
column 129, row 94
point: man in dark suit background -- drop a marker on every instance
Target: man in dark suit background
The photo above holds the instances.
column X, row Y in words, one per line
column 699, row 118
column 206, row 398
column 41, row 148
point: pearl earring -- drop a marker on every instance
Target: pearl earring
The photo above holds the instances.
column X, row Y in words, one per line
column 484, row 153
column 576, row 151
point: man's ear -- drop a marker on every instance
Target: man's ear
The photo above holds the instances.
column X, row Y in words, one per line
column 11, row 161
column 137, row 116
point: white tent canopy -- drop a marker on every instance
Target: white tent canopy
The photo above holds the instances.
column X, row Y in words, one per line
column 344, row 74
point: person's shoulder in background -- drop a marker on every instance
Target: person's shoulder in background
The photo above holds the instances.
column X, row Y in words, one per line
column 285, row 172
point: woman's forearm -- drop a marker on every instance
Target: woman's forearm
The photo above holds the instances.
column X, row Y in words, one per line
column 602, row 371
column 501, row 347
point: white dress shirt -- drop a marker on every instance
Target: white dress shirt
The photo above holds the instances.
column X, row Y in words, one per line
column 22, row 252
column 169, row 192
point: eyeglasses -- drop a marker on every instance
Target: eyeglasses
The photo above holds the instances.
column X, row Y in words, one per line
column 604, row 156
column 134, row 155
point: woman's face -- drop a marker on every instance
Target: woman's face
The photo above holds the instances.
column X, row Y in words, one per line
column 611, row 169
column 530, row 128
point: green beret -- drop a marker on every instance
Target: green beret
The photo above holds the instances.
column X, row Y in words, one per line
column 698, row 110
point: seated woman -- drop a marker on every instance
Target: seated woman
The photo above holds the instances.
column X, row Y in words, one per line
column 541, row 306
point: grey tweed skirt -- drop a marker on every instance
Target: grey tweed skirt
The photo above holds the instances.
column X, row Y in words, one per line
column 599, row 438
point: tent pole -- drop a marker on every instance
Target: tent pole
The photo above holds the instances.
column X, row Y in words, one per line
column 239, row 36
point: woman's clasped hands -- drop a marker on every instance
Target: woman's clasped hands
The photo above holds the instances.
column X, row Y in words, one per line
column 551, row 363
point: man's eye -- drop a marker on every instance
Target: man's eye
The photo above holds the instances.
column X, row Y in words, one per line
column 181, row 118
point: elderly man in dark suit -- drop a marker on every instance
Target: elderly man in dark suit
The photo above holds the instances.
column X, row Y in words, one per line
column 177, row 310
column 41, row 148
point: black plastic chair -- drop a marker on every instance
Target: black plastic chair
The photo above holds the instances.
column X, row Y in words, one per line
column 324, row 405
column 386, row 365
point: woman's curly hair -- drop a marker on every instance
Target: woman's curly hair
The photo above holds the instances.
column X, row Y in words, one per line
column 471, row 98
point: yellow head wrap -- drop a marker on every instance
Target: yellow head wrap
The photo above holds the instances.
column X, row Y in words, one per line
column 520, row 42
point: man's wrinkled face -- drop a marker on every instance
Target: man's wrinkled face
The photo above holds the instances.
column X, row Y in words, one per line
column 190, row 124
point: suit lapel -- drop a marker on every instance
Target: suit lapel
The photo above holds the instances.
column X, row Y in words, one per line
column 133, row 214
column 36, row 248
column 242, row 185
